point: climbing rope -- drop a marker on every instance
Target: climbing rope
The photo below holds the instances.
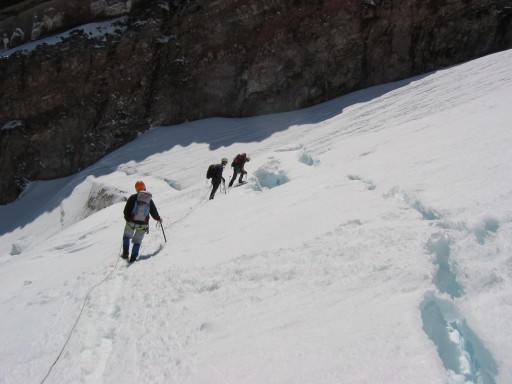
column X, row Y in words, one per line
column 80, row 315
column 203, row 199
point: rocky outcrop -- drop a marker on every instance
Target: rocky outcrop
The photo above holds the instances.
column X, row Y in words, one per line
column 29, row 20
column 93, row 88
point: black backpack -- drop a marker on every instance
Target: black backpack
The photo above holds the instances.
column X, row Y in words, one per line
column 211, row 171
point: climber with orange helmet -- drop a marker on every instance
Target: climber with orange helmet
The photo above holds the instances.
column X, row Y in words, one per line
column 137, row 210
column 140, row 186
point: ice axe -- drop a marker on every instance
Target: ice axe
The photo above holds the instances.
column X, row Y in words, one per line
column 161, row 226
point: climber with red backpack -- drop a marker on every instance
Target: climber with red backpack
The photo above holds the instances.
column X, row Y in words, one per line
column 137, row 210
column 238, row 167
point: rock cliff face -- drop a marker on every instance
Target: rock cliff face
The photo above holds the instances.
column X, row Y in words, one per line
column 84, row 77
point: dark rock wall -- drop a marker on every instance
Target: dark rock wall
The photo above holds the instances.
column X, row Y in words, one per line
column 64, row 106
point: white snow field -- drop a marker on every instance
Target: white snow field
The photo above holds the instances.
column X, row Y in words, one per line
column 371, row 244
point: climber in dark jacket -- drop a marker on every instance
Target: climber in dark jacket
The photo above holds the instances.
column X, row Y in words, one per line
column 136, row 212
column 217, row 177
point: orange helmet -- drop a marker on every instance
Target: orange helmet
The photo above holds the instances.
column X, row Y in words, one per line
column 140, row 186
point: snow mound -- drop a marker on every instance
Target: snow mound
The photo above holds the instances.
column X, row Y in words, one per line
column 271, row 175
column 303, row 156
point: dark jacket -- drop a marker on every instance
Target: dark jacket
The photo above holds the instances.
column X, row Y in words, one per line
column 128, row 209
column 218, row 172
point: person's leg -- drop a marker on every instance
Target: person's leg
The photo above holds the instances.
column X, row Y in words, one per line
column 135, row 252
column 242, row 173
column 126, row 247
column 127, row 235
column 235, row 172
column 215, row 186
column 137, row 241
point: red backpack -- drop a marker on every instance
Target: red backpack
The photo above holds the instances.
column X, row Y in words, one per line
column 239, row 159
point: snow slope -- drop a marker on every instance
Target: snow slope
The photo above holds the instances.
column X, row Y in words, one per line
column 371, row 244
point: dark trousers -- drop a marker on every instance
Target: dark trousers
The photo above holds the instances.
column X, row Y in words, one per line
column 236, row 171
column 215, row 186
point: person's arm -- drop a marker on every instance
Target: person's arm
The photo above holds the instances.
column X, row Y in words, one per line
column 128, row 208
column 218, row 171
column 154, row 212
column 221, row 168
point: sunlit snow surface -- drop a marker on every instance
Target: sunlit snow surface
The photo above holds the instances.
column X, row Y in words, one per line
column 371, row 244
